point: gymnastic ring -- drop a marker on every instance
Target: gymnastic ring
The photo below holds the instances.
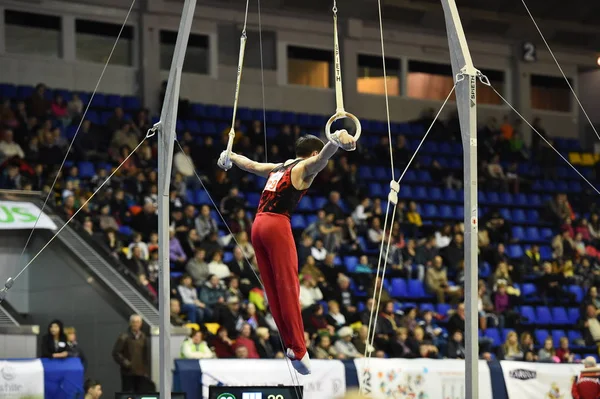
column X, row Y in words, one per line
column 343, row 115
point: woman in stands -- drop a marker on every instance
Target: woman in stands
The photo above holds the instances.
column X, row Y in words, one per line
column 54, row 343
column 272, row 233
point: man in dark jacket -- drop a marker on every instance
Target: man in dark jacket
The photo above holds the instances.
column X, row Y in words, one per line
column 132, row 354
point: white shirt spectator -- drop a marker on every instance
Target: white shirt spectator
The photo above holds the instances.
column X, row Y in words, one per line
column 189, row 296
column 309, row 296
column 9, row 148
column 143, row 248
column 318, row 253
column 219, row 269
column 442, row 241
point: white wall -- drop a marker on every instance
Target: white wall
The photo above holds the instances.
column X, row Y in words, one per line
column 589, row 89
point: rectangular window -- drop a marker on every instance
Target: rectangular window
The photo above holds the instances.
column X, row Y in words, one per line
column 94, row 41
column 269, row 52
column 196, row 57
column 550, row 93
column 310, row 67
column 429, row 81
column 28, row 33
column 370, row 78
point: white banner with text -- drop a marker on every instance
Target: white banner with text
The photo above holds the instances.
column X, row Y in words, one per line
column 22, row 215
column 327, row 380
column 419, row 378
column 21, row 379
column 539, row 380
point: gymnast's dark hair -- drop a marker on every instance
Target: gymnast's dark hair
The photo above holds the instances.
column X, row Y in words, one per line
column 308, row 144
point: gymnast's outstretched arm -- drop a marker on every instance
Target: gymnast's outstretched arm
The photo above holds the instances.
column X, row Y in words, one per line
column 310, row 167
column 248, row 165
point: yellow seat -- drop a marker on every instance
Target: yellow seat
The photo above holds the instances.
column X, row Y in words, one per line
column 212, row 327
column 575, row 158
column 587, row 159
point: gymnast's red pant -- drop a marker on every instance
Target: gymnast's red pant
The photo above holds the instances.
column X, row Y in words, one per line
column 278, row 264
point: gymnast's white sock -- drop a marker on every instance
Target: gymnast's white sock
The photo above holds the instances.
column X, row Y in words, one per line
column 302, row 366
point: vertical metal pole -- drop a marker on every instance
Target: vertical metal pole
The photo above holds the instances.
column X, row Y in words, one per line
column 166, row 137
column 466, row 101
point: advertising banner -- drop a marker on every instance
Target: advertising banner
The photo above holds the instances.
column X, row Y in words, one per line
column 21, row 379
column 22, row 215
column 419, row 378
column 327, row 380
column 539, row 380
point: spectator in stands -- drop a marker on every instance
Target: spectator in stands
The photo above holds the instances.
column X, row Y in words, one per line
column 329, row 233
column 239, row 266
column 456, row 346
column 563, row 352
column 59, row 109
column 222, row 344
column 176, row 253
column 547, row 354
column 432, row 331
column 402, row 346
column 345, row 298
column 175, row 312
column 123, row 138
column 212, row 294
column 116, row 120
column 375, row 233
column 558, row 209
column 323, row 348
column 528, row 347
column 75, row 107
column 217, row 267
column 591, row 298
column 137, row 264
column 376, row 288
column 443, row 237
column 194, row 308
column 38, row 106
column 231, row 202
column 145, row 221
column 550, row 285
column 240, row 222
column 197, row 267
column 335, row 317
column 362, row 213
column 132, row 354
column 387, row 324
column 241, row 352
column 205, row 224
column 344, row 345
column 361, row 342
column 106, row 221
column 436, row 282
column 11, row 178
column 54, row 343
column 195, row 347
column 73, row 347
column 316, row 320
column 590, row 325
column 190, row 243
column 511, row 350
column 9, row 148
column 413, row 217
column 318, row 251
column 426, row 252
column 8, row 117
column 245, row 340
column 453, row 254
column 309, row 291
column 92, row 389
column 263, row 345
column 137, row 241
column 230, row 316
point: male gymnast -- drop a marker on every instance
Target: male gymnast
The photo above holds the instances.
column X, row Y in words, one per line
column 272, row 236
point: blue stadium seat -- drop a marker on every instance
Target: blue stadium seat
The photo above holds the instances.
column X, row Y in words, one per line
column 398, row 288
column 556, row 336
column 541, row 335
column 99, row 101
column 190, row 196
column 192, row 126
column 504, row 333
column 578, row 291
column 534, row 200
column 528, row 291
column 506, row 199
column 533, row 235
column 562, row 186
column 573, row 314
column 8, row 90
column 303, row 120
column 253, row 199
column 202, row 198
column 350, row 262
column 381, row 173
column 443, row 308
column 126, row 231
column 548, row 186
column 93, row 117
column 514, row 251
column 528, row 313
column 213, row 112
column 435, row 194
column 445, row 212
column 521, row 200
column 375, row 190
column 518, row 216
column 518, row 233
column 543, row 315
column 574, row 187
column 545, row 253
column 430, row 211
column 364, row 172
column 319, row 202
column 275, row 117
column 208, row 128
column 227, row 257
column 310, row 219
column 533, row 216
column 423, row 176
column 559, row 315
column 131, row 103
column 86, row 170
column 420, row 193
column 416, row 289
column 298, row 222
column 427, row 307
column 494, row 335
column 114, row 101
column 573, row 335
column 197, row 110
column 493, row 198
column 289, row 118
column 305, row 204
column 406, row 192
column 23, row 92
column 485, row 270
column 245, row 115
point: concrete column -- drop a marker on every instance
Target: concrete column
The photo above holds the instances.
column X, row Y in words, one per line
column 149, row 62
column 68, row 46
column 404, row 76
column 521, row 90
column 2, row 38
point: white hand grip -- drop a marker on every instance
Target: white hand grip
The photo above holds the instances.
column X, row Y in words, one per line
column 342, row 115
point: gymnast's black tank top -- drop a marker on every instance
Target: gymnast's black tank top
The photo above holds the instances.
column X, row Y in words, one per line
column 279, row 195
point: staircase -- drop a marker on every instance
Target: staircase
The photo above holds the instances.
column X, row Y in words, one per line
column 107, row 273
column 5, row 318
